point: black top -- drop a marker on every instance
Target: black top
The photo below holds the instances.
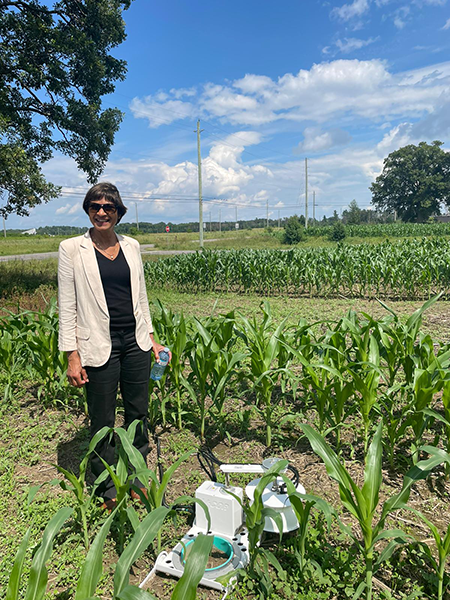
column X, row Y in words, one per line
column 115, row 275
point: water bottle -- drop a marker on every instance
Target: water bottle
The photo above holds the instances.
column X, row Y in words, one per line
column 159, row 367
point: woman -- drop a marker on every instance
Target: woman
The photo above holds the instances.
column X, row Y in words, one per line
column 105, row 325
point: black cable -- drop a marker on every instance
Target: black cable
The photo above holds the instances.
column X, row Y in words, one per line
column 296, row 478
column 207, row 460
column 183, row 507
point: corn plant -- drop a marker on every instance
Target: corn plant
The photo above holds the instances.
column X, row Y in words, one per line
column 120, row 473
column 155, row 490
column 76, row 485
column 263, row 342
column 172, row 329
column 255, row 518
column 14, row 354
column 443, row 552
column 92, row 567
column 37, row 581
column 302, row 505
column 46, row 359
column 10, row 363
column 211, row 365
column 363, row 502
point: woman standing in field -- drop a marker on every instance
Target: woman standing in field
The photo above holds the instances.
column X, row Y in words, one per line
column 105, row 325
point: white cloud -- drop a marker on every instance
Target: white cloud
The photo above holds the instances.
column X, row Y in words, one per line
column 348, row 45
column 357, row 8
column 328, row 90
column 316, row 140
column 63, row 209
column 447, row 24
column 160, row 110
column 401, row 16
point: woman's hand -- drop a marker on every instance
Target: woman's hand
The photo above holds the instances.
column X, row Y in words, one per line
column 157, row 348
column 76, row 374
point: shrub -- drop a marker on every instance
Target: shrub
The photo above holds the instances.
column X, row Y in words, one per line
column 337, row 232
column 293, row 231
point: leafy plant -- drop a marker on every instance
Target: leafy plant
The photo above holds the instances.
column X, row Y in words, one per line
column 37, row 581
column 363, row 503
column 263, row 343
column 255, row 519
column 443, row 551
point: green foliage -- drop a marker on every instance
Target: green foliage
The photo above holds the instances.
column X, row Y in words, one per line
column 443, row 552
column 363, row 502
column 414, row 269
column 293, row 231
column 57, row 66
column 337, row 232
column 353, row 215
column 255, row 517
column 194, row 569
column 37, row 581
column 415, row 181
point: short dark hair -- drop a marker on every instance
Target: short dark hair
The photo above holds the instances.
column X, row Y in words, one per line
column 105, row 191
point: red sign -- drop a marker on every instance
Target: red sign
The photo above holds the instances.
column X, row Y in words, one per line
column 167, row 229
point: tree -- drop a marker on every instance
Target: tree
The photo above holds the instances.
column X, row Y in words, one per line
column 415, row 181
column 352, row 216
column 293, row 230
column 55, row 67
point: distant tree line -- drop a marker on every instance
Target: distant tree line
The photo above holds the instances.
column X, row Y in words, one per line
column 352, row 216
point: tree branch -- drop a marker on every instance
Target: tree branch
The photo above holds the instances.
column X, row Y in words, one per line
column 35, row 10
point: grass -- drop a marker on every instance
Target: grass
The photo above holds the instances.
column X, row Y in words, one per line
column 257, row 238
column 244, row 238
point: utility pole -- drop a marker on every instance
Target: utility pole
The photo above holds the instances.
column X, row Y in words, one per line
column 137, row 218
column 235, row 220
column 4, row 227
column 278, row 218
column 306, row 193
column 210, row 223
column 314, row 206
column 220, row 220
column 200, row 199
column 267, row 212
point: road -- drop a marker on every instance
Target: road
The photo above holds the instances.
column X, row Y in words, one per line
column 145, row 249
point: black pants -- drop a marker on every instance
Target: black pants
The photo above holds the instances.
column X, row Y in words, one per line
column 129, row 366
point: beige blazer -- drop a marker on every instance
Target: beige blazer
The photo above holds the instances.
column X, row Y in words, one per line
column 83, row 312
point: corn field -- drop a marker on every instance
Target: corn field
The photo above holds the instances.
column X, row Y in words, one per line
column 414, row 269
column 386, row 230
column 377, row 386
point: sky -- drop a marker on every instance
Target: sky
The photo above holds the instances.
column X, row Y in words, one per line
column 342, row 84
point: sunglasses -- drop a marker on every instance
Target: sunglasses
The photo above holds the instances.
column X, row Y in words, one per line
column 94, row 207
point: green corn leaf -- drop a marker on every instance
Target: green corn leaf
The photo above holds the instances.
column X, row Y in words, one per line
column 420, row 471
column 388, row 551
column 270, row 513
column 93, row 565
column 351, row 495
column 192, row 500
column 186, row 588
column 131, row 592
column 12, row 593
column 37, row 581
column 372, row 471
column 133, row 454
column 142, row 538
column 133, row 517
column 168, row 474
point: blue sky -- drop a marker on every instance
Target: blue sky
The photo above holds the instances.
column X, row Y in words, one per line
column 341, row 83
